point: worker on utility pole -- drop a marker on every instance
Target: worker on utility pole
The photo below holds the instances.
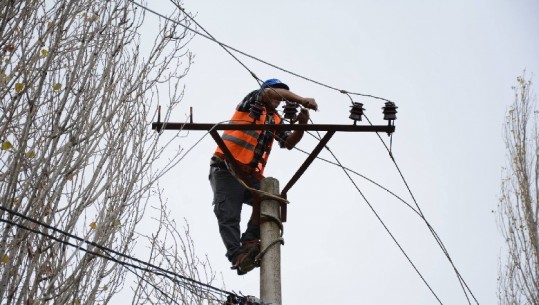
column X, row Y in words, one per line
column 250, row 149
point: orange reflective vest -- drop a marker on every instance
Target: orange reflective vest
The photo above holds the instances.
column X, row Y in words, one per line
column 242, row 143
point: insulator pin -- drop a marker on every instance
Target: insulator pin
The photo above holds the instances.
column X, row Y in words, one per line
column 390, row 112
column 290, row 111
column 356, row 112
column 256, row 110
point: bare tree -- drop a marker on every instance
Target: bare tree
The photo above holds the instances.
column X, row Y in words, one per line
column 518, row 209
column 78, row 89
column 174, row 251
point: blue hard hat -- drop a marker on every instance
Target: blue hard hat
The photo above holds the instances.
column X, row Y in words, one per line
column 274, row 83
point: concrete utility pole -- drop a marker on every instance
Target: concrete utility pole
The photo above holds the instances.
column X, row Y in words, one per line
column 270, row 236
column 272, row 213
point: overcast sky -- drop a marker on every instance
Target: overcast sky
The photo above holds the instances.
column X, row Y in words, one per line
column 449, row 67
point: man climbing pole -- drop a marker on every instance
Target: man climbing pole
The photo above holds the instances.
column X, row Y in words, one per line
column 250, row 149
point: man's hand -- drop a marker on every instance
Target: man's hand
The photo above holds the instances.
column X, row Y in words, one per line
column 303, row 116
column 309, row 102
column 295, row 136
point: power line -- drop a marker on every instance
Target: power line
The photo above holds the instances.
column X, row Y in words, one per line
column 107, row 257
column 227, row 47
column 462, row 282
column 188, row 283
column 437, row 238
column 364, row 177
column 387, row 229
column 384, row 225
column 151, row 284
column 221, row 44
column 465, row 288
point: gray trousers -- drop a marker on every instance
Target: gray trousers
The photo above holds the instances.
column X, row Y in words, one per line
column 228, row 198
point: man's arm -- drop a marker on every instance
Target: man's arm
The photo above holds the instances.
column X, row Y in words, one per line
column 295, row 137
column 273, row 96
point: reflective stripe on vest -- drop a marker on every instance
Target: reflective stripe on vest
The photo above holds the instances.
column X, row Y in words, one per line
column 242, row 143
column 238, row 141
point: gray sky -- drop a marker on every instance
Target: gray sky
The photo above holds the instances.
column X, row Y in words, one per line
column 449, row 66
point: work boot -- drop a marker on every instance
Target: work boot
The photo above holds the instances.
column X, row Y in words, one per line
column 246, row 260
column 251, row 244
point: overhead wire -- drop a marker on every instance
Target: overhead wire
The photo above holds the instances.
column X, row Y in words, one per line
column 462, row 282
column 151, row 284
column 339, row 164
column 227, row 48
column 218, row 42
column 125, row 264
column 105, row 249
column 391, row 193
column 418, row 211
column 129, row 261
column 363, row 177
column 194, row 145
column 385, row 227
column 86, row 250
